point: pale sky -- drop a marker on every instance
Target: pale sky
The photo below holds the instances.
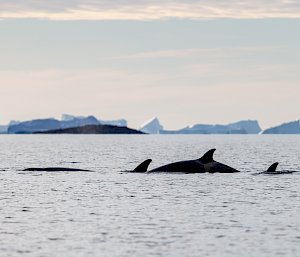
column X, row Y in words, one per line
column 185, row 62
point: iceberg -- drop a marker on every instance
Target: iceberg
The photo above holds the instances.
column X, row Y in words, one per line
column 78, row 122
column 67, row 121
column 68, row 117
column 119, row 122
column 292, row 127
column 32, row 126
column 250, row 126
column 240, row 127
column 152, row 126
column 3, row 129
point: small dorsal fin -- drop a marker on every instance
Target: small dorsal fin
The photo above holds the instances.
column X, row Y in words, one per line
column 208, row 156
column 143, row 166
column 273, row 167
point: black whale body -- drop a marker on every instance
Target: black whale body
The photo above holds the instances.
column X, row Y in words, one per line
column 55, row 169
column 189, row 166
column 204, row 164
column 272, row 170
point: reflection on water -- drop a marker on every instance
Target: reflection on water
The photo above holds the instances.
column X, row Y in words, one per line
column 110, row 213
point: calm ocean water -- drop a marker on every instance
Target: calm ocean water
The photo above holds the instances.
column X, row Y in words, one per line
column 113, row 213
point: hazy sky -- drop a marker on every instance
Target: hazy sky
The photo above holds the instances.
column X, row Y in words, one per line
column 183, row 61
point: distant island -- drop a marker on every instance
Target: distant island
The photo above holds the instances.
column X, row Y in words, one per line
column 93, row 129
column 91, row 125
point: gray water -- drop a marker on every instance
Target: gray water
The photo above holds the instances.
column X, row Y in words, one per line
column 114, row 213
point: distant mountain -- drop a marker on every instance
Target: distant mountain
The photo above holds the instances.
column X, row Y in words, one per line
column 93, row 129
column 152, row 126
column 240, row 127
column 292, row 127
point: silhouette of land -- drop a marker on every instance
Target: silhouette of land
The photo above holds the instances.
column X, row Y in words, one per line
column 93, row 129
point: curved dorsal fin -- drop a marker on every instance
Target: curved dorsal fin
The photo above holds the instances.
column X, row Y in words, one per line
column 143, row 166
column 208, row 156
column 273, row 167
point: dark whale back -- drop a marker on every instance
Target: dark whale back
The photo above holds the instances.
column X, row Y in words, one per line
column 217, row 167
column 208, row 156
column 49, row 169
column 190, row 166
column 273, row 167
column 143, row 166
column 205, row 163
column 212, row 166
column 272, row 170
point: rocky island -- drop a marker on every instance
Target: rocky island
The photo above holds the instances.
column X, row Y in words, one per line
column 92, row 129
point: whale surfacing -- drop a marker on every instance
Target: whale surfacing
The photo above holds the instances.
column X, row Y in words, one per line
column 142, row 168
column 204, row 164
column 217, row 167
column 272, row 170
column 189, row 166
column 54, row 169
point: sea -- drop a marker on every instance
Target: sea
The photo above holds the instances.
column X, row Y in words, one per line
column 111, row 212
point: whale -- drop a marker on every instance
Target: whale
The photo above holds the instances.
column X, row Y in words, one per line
column 55, row 169
column 206, row 163
column 272, row 170
column 218, row 167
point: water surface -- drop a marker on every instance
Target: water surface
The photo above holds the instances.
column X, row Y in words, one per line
column 113, row 213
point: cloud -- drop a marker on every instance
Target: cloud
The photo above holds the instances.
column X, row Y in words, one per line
column 179, row 53
column 148, row 9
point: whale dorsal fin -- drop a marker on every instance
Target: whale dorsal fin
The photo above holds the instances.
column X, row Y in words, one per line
column 143, row 166
column 273, row 167
column 208, row 156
